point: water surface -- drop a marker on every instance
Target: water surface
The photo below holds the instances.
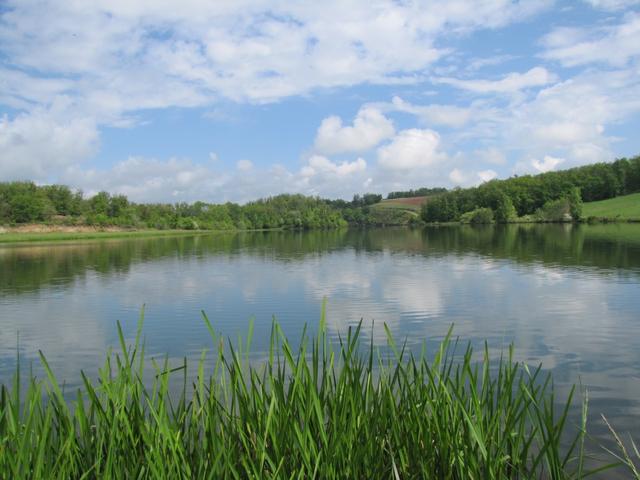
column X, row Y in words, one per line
column 567, row 296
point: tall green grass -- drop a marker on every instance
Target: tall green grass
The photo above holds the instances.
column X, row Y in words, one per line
column 313, row 411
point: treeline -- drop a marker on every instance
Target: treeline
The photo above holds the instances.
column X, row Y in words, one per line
column 419, row 192
column 552, row 196
column 26, row 202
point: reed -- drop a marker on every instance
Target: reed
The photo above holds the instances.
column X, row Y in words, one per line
column 317, row 410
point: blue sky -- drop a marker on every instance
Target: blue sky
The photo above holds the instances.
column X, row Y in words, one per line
column 221, row 101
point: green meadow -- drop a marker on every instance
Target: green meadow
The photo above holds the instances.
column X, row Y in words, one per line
column 626, row 207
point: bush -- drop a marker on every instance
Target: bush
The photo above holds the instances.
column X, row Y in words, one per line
column 555, row 211
column 187, row 223
column 478, row 216
column 505, row 211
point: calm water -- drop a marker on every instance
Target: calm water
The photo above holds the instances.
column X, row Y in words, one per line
column 566, row 296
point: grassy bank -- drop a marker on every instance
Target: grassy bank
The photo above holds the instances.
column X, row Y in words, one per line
column 28, row 237
column 306, row 412
column 624, row 208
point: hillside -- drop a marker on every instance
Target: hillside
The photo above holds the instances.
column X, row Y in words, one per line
column 626, row 207
column 413, row 203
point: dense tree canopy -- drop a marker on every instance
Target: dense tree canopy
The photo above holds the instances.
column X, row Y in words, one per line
column 418, row 192
column 25, row 202
column 548, row 196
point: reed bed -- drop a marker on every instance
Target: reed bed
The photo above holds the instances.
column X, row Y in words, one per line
column 318, row 410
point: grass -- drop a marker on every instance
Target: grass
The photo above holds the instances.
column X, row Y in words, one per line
column 626, row 207
column 97, row 235
column 315, row 411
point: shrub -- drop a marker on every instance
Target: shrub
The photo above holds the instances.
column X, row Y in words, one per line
column 505, row 211
column 478, row 216
column 555, row 211
column 187, row 223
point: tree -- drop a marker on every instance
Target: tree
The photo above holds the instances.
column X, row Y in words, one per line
column 505, row 211
column 575, row 203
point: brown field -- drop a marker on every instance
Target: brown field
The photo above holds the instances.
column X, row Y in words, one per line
column 412, row 203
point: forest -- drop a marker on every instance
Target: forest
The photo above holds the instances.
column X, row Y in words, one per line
column 553, row 196
column 26, row 202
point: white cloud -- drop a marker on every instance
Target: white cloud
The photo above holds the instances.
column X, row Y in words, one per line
column 513, row 82
column 458, row 177
column 411, row 149
column 143, row 179
column 547, row 164
column 244, row 165
column 467, row 178
column 612, row 4
column 448, row 115
column 614, row 45
column 248, row 50
column 322, row 165
column 37, row 145
column 487, row 175
column 492, row 155
column 176, row 179
column 369, row 128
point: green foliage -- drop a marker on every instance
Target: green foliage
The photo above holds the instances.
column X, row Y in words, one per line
column 529, row 194
column 478, row 216
column 575, row 203
column 315, row 411
column 505, row 211
column 24, row 202
column 441, row 209
column 186, row 223
column 419, row 192
column 366, row 199
column 555, row 211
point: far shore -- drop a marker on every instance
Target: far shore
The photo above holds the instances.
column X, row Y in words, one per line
column 56, row 233
column 29, row 233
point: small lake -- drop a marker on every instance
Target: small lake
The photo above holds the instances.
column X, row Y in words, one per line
column 567, row 296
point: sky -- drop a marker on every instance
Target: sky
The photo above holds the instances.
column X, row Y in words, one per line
column 235, row 100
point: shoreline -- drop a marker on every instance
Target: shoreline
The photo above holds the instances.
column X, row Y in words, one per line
column 18, row 235
column 41, row 233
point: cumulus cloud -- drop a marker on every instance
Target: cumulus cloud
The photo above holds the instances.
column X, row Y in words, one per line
column 435, row 114
column 614, row 45
column 69, row 71
column 612, row 4
column 469, row 178
column 547, row 164
column 38, row 145
column 492, row 155
column 369, row 128
column 244, row 165
column 573, row 115
column 411, row 149
column 145, row 179
column 487, row 175
column 243, row 51
column 513, row 82
column 180, row 179
column 318, row 165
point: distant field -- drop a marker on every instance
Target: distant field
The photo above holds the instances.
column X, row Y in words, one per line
column 626, row 207
column 412, row 203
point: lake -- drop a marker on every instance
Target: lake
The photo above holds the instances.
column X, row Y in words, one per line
column 565, row 295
